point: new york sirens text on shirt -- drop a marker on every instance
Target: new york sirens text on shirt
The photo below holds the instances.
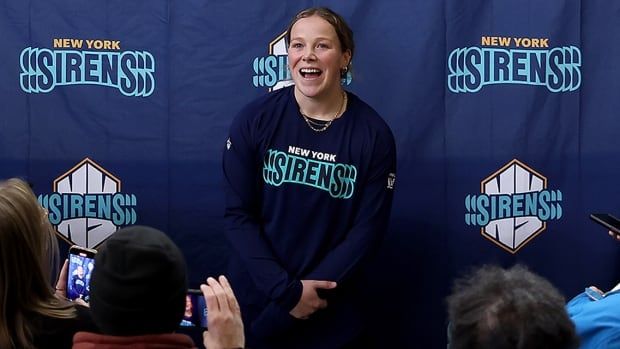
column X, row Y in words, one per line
column 87, row 62
column 312, row 168
column 272, row 71
column 514, row 60
column 514, row 206
column 87, row 205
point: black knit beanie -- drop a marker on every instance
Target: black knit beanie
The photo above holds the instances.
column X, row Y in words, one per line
column 139, row 283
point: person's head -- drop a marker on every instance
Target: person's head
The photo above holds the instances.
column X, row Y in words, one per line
column 79, row 271
column 189, row 307
column 139, row 283
column 495, row 308
column 320, row 50
column 28, row 252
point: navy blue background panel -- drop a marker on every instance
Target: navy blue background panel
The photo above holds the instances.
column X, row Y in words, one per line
column 504, row 115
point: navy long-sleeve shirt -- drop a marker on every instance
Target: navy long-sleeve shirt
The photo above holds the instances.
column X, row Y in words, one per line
column 302, row 204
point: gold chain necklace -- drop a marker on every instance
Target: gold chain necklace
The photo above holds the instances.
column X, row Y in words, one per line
column 320, row 126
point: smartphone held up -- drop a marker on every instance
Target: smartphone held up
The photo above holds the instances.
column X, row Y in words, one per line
column 195, row 310
column 81, row 265
column 608, row 221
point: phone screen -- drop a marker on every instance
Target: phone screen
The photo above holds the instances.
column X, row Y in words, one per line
column 608, row 221
column 81, row 265
column 195, row 310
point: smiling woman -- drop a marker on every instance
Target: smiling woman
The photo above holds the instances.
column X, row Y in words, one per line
column 308, row 171
column 319, row 55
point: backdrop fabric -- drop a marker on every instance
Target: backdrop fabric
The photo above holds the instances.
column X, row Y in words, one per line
column 504, row 114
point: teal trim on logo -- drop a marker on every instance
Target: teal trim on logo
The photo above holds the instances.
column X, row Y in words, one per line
column 337, row 179
column 131, row 72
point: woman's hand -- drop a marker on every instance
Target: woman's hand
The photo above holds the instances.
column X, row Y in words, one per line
column 61, row 283
column 310, row 301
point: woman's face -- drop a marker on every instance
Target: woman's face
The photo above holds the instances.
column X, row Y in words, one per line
column 188, row 306
column 315, row 57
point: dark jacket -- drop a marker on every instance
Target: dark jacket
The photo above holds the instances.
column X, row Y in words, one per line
column 54, row 333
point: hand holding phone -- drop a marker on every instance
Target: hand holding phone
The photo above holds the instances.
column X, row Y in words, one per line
column 225, row 322
column 81, row 265
column 61, row 283
column 608, row 221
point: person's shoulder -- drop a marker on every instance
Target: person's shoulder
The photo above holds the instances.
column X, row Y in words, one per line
column 597, row 333
column 84, row 320
column 259, row 116
column 54, row 332
column 368, row 116
column 259, row 106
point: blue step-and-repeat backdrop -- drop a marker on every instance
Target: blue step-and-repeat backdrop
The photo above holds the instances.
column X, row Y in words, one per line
column 505, row 115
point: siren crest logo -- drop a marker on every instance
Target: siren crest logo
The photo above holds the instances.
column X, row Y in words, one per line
column 514, row 60
column 513, row 206
column 272, row 70
column 87, row 62
column 87, row 205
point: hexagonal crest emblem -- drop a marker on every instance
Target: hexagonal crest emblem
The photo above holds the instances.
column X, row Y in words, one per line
column 87, row 205
column 271, row 70
column 277, row 47
column 514, row 206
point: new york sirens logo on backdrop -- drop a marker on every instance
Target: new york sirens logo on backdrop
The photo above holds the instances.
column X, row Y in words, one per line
column 514, row 60
column 271, row 71
column 87, row 205
column 87, row 62
column 514, row 206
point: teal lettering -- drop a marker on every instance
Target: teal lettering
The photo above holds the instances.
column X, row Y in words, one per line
column 531, row 201
column 299, row 166
column 104, row 209
column 482, row 218
column 324, row 175
column 504, row 206
column 55, row 215
column 77, row 208
column 118, row 216
column 544, row 211
column 311, row 172
column 89, row 206
column 280, row 167
column 471, row 68
column 335, row 185
column 517, row 205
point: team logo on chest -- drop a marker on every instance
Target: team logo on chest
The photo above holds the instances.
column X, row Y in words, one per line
column 312, row 168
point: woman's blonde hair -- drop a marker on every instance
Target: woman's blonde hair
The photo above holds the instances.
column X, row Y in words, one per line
column 28, row 254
